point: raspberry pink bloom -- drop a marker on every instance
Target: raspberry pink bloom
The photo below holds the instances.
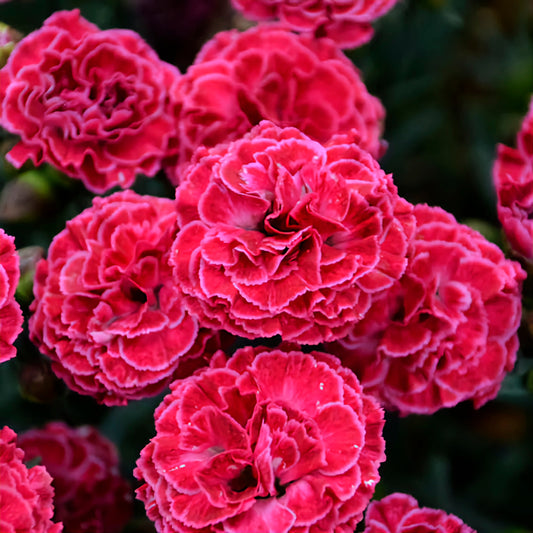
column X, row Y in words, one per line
column 10, row 313
column 26, row 494
column 106, row 309
column 347, row 22
column 513, row 178
column 95, row 104
column 268, row 440
column 446, row 332
column 400, row 513
column 90, row 494
column 281, row 235
column 239, row 79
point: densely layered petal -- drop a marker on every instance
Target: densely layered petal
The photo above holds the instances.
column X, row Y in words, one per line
column 347, row 22
column 447, row 331
column 106, row 310
column 239, row 79
column 95, row 104
column 10, row 313
column 400, row 513
column 513, row 179
column 26, row 494
column 274, row 440
column 90, row 494
column 281, row 235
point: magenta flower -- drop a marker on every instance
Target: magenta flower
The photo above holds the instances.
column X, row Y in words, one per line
column 446, row 332
column 400, row 513
column 90, row 494
column 347, row 22
column 281, row 235
column 239, row 79
column 267, row 440
column 95, row 104
column 106, row 309
column 513, row 178
column 26, row 494
column 10, row 313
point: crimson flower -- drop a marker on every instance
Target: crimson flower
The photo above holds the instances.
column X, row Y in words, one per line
column 267, row 440
column 94, row 104
column 281, row 235
column 239, row 79
column 10, row 313
column 446, row 332
column 400, row 513
column 26, row 494
column 513, row 178
column 106, row 309
column 347, row 22
column 90, row 494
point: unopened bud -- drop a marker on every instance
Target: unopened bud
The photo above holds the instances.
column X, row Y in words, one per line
column 25, row 198
column 8, row 38
column 29, row 257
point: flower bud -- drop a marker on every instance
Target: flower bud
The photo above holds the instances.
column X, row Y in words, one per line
column 29, row 257
column 25, row 198
column 8, row 38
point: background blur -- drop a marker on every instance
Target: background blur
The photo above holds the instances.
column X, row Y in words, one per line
column 456, row 78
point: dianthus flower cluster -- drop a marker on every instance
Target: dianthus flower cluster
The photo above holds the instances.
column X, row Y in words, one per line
column 347, row 22
column 106, row 310
column 26, row 494
column 281, row 235
column 241, row 78
column 90, row 494
column 10, row 313
column 267, row 440
column 446, row 332
column 400, row 513
column 95, row 104
column 283, row 227
column 513, row 178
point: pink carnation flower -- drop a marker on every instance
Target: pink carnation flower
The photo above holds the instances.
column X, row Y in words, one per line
column 347, row 22
column 10, row 313
column 90, row 494
column 513, row 178
column 447, row 331
column 106, row 309
column 239, row 79
column 268, row 441
column 400, row 513
column 282, row 235
column 93, row 103
column 26, row 494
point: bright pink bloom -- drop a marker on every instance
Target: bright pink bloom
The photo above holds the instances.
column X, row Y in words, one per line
column 347, row 22
column 26, row 494
column 106, row 309
column 513, row 178
column 239, row 79
column 447, row 331
column 400, row 513
column 10, row 313
column 281, row 235
column 267, row 440
column 90, row 494
column 93, row 103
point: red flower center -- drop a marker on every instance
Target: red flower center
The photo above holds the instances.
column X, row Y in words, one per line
column 132, row 291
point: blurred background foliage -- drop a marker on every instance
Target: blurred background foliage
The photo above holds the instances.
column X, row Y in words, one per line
column 456, row 78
